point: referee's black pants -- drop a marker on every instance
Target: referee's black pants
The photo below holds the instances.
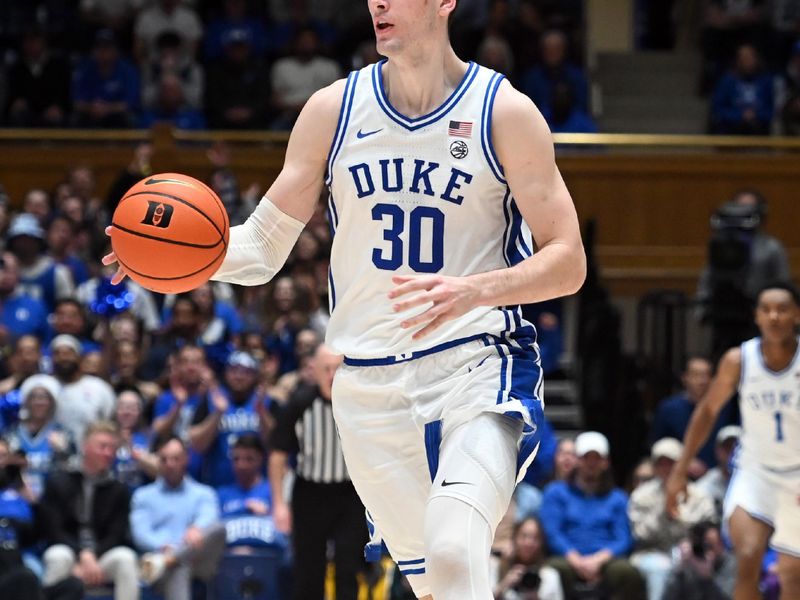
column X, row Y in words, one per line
column 322, row 512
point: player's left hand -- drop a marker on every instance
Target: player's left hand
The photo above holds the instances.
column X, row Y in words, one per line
column 451, row 297
column 110, row 259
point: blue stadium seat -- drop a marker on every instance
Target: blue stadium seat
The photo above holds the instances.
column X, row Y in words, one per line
column 250, row 576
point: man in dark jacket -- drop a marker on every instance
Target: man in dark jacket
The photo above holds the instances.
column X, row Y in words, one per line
column 86, row 520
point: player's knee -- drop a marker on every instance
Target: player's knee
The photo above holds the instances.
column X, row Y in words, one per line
column 748, row 558
column 446, row 555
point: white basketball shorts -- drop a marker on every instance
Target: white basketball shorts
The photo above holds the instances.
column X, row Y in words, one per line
column 393, row 420
column 769, row 496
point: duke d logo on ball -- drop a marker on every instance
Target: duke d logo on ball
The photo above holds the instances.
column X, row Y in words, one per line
column 158, row 214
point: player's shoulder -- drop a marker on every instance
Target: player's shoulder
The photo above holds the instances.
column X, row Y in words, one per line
column 327, row 101
column 511, row 104
column 731, row 363
column 517, row 123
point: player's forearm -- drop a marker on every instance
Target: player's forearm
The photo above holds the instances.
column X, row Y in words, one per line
column 555, row 270
column 700, row 426
column 259, row 247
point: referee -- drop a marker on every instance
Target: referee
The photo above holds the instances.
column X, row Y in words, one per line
column 324, row 505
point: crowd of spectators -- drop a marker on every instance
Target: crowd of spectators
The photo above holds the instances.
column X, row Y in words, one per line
column 234, row 64
column 752, row 66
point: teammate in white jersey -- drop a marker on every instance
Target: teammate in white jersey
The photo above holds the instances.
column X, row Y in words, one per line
column 442, row 180
column 762, row 504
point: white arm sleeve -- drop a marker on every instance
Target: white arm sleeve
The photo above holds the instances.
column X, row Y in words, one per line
column 258, row 248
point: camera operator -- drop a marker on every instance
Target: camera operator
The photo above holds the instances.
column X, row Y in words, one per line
column 706, row 571
column 525, row 576
column 742, row 259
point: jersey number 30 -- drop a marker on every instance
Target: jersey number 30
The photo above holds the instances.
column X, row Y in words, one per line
column 420, row 218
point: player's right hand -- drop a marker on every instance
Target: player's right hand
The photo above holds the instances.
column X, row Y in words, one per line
column 676, row 492
column 110, row 259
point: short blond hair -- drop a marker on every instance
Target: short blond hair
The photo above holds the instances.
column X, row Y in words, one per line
column 100, row 427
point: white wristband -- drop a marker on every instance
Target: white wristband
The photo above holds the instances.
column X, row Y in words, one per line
column 259, row 247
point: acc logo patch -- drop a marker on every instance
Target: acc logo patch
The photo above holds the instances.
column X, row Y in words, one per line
column 459, row 149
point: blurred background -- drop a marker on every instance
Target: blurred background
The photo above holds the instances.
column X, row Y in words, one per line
column 675, row 124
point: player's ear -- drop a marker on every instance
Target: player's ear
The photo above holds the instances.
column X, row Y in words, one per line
column 447, row 8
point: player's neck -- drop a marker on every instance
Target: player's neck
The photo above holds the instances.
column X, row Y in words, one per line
column 417, row 85
column 778, row 350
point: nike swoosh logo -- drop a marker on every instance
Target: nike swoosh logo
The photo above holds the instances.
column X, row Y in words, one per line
column 361, row 134
column 445, row 483
column 153, row 181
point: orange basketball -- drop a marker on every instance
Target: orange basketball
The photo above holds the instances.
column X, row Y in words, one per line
column 170, row 232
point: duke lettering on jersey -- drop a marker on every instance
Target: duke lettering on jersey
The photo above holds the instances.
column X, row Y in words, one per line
column 394, row 179
column 769, row 402
column 402, row 201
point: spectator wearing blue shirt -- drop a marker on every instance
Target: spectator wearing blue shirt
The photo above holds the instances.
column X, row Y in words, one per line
column 39, row 275
column 674, row 413
column 743, row 102
column 174, row 409
column 61, row 235
column 586, row 525
column 45, row 444
column 246, row 505
column 171, row 107
column 175, row 521
column 20, row 313
column 232, row 409
column 564, row 115
column 105, row 87
column 134, row 465
column 539, row 82
column 234, row 17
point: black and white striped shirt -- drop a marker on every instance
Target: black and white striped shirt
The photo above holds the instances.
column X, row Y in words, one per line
column 305, row 426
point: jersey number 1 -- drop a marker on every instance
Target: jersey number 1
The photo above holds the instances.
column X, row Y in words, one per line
column 778, row 426
column 417, row 219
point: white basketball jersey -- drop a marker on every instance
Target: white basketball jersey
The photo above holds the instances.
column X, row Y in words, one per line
column 769, row 403
column 415, row 196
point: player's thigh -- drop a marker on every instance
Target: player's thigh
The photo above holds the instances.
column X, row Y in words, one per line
column 789, row 572
column 753, row 492
column 786, row 538
column 478, row 464
column 387, row 461
column 750, row 537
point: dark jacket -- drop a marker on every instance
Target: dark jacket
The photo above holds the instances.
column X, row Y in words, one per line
column 61, row 506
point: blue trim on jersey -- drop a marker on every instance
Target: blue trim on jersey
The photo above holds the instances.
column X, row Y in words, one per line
column 783, row 371
column 401, row 358
column 416, row 561
column 486, row 128
column 506, row 231
column 431, row 117
column 526, row 251
column 413, row 571
column 341, row 125
column 433, row 439
column 331, row 291
column 514, row 234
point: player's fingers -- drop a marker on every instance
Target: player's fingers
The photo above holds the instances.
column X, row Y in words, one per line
column 108, row 229
column 412, row 302
column 429, row 315
column 118, row 276
column 430, row 327
column 109, row 258
column 411, row 283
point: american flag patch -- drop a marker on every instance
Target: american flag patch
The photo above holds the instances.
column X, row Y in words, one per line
column 460, row 129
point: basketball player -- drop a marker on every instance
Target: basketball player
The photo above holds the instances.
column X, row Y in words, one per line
column 441, row 176
column 763, row 497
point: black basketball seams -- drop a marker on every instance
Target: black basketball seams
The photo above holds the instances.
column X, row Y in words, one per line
column 168, row 241
column 219, row 204
column 154, row 278
column 182, row 201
